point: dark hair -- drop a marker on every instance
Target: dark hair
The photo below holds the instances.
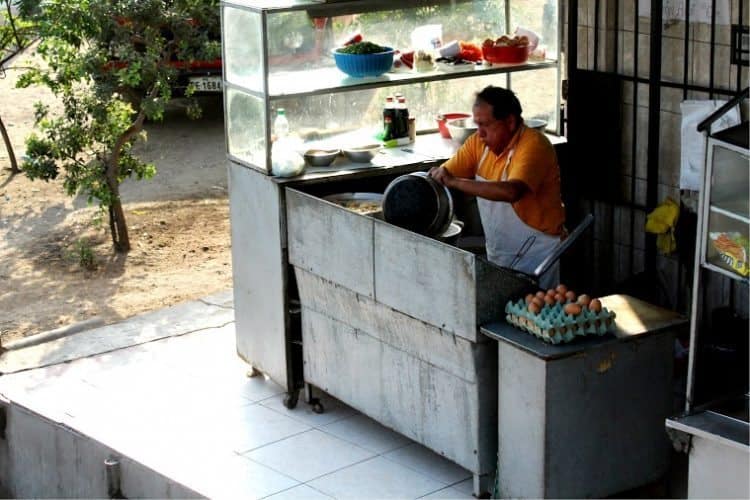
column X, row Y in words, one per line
column 503, row 101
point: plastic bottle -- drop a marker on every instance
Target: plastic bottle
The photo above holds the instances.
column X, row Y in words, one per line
column 389, row 119
column 401, row 118
column 281, row 124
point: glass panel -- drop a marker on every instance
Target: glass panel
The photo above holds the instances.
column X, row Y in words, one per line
column 727, row 244
column 243, row 60
column 730, row 189
column 539, row 16
column 245, row 124
column 537, row 91
column 330, row 114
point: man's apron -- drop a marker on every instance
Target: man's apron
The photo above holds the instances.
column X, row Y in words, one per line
column 511, row 242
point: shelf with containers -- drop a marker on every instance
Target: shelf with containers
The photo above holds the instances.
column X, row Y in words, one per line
column 311, row 277
column 280, row 55
column 713, row 429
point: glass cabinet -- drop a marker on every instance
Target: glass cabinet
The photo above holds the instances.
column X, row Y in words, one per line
column 727, row 210
column 278, row 54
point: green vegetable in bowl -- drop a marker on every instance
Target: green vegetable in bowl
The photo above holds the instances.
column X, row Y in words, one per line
column 362, row 48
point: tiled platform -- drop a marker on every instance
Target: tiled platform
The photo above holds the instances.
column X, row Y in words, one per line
column 182, row 407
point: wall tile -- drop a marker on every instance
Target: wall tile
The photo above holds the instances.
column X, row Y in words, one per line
column 583, row 13
column 674, row 29
column 671, row 99
column 722, row 74
column 701, row 32
column 664, row 190
column 626, row 16
column 667, row 269
column 672, row 59
column 639, row 231
column 669, row 149
column 640, row 190
column 623, row 216
column 583, row 48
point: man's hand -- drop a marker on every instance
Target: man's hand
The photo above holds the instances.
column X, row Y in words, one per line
column 441, row 175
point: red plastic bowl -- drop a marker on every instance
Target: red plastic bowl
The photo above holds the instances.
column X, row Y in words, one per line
column 444, row 117
column 505, row 55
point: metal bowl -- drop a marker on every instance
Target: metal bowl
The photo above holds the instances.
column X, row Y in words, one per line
column 362, row 154
column 321, row 157
column 461, row 129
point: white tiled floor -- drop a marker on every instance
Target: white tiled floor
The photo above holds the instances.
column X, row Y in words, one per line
column 184, row 407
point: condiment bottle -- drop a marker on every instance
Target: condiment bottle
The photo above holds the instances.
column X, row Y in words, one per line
column 401, row 117
column 281, row 124
column 389, row 119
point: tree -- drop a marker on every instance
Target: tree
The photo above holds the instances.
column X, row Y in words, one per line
column 15, row 34
column 111, row 63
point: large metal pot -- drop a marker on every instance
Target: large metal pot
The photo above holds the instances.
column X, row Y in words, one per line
column 418, row 203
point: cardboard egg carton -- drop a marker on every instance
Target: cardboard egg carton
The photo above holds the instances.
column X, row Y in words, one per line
column 553, row 325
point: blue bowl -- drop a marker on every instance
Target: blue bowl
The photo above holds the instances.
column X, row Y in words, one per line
column 360, row 65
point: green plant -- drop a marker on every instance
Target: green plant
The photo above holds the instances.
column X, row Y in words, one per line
column 83, row 252
column 110, row 62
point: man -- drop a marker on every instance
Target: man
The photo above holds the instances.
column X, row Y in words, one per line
column 513, row 172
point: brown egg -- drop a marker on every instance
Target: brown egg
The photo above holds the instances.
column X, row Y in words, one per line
column 573, row 309
column 584, row 299
column 595, row 305
column 534, row 308
column 570, row 295
column 560, row 298
column 551, row 292
column 549, row 300
column 539, row 302
column 529, row 298
column 561, row 288
column 540, row 294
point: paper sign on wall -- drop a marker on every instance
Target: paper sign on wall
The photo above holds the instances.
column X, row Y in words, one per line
column 692, row 155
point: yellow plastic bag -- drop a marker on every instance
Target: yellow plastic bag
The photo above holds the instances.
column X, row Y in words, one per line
column 662, row 221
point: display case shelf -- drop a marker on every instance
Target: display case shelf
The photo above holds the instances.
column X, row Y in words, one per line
column 331, row 80
column 731, row 209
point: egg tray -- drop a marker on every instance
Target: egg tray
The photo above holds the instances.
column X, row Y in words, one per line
column 554, row 326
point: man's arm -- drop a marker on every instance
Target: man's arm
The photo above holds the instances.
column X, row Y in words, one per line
column 509, row 191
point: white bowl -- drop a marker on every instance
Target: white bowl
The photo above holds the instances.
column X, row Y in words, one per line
column 461, row 128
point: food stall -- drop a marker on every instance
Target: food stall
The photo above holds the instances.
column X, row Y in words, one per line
column 383, row 318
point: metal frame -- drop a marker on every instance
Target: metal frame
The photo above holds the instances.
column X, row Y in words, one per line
column 655, row 84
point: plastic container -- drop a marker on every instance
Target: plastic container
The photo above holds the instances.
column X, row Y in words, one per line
column 505, row 55
column 362, row 65
column 442, row 118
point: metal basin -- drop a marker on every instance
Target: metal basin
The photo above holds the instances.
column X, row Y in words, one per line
column 418, row 203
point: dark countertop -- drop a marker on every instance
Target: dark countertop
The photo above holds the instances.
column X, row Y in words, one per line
column 634, row 319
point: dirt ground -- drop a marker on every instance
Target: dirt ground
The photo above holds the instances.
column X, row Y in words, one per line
column 178, row 223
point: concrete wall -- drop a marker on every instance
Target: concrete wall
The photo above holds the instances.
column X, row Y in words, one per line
column 41, row 458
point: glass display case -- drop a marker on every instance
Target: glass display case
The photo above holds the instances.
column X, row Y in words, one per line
column 727, row 211
column 279, row 55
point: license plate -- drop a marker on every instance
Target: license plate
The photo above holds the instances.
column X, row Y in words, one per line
column 206, row 83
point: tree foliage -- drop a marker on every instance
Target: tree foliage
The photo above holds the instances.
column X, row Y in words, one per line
column 111, row 63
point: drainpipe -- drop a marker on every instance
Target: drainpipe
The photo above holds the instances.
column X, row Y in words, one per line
column 112, row 469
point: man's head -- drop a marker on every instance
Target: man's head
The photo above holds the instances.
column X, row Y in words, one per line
column 497, row 113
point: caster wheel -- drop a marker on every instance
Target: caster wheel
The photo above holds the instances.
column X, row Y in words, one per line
column 252, row 372
column 290, row 401
column 317, row 407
